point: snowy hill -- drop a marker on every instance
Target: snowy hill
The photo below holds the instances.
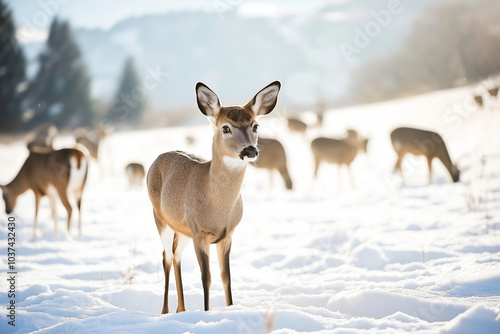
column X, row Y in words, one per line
column 325, row 258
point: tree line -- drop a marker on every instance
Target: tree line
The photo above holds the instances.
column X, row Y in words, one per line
column 59, row 92
column 448, row 46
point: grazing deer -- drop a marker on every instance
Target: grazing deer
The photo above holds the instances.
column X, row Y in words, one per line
column 42, row 138
column 296, row 125
column 422, row 142
column 135, row 173
column 338, row 151
column 273, row 157
column 56, row 173
column 200, row 199
column 91, row 139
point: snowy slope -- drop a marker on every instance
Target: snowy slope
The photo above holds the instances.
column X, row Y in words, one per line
column 324, row 258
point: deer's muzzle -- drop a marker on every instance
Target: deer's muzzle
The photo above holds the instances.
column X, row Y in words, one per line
column 250, row 152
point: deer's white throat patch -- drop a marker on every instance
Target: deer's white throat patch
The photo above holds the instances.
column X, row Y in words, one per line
column 247, row 159
column 235, row 164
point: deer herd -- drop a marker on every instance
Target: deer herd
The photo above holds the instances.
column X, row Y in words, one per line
column 197, row 199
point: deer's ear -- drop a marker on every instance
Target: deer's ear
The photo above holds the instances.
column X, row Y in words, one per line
column 207, row 100
column 265, row 100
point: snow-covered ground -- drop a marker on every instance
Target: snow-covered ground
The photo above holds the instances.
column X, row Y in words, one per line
column 324, row 258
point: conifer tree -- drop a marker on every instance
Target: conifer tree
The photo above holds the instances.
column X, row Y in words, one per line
column 12, row 72
column 129, row 101
column 60, row 91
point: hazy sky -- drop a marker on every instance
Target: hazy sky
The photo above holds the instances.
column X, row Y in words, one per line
column 37, row 14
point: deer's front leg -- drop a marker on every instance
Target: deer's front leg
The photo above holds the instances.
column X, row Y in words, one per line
column 37, row 205
column 223, row 250
column 202, row 249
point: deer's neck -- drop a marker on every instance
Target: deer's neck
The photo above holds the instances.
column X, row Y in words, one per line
column 225, row 177
column 19, row 184
column 445, row 158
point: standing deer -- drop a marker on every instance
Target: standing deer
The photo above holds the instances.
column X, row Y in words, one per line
column 42, row 138
column 135, row 173
column 338, row 151
column 199, row 199
column 319, row 110
column 422, row 142
column 91, row 139
column 56, row 173
column 273, row 157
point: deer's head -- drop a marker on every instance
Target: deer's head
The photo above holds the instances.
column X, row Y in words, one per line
column 236, row 127
column 455, row 173
column 10, row 201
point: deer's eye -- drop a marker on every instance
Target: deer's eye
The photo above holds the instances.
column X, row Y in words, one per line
column 255, row 127
column 226, row 129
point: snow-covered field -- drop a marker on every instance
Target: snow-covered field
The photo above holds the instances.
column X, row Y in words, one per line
column 323, row 258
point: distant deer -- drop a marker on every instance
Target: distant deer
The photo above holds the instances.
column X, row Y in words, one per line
column 479, row 100
column 42, row 138
column 54, row 174
column 338, row 151
column 190, row 140
column 493, row 91
column 296, row 125
column 273, row 157
column 422, row 142
column 356, row 140
column 135, row 173
column 319, row 110
column 91, row 139
column 200, row 199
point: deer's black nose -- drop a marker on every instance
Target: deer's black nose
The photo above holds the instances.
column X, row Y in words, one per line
column 249, row 152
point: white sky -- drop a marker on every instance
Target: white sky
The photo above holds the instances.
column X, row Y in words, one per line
column 34, row 16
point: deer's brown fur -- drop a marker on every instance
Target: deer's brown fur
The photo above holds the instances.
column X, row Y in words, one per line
column 273, row 157
column 91, row 139
column 338, row 151
column 135, row 173
column 200, row 199
column 422, row 142
column 296, row 125
column 60, row 173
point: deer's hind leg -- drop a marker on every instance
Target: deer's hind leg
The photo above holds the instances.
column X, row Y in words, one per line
column 65, row 201
column 167, row 239
column 399, row 162
column 316, row 167
column 38, row 196
column 78, row 196
column 179, row 244
column 429, row 166
column 53, row 207
column 351, row 177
